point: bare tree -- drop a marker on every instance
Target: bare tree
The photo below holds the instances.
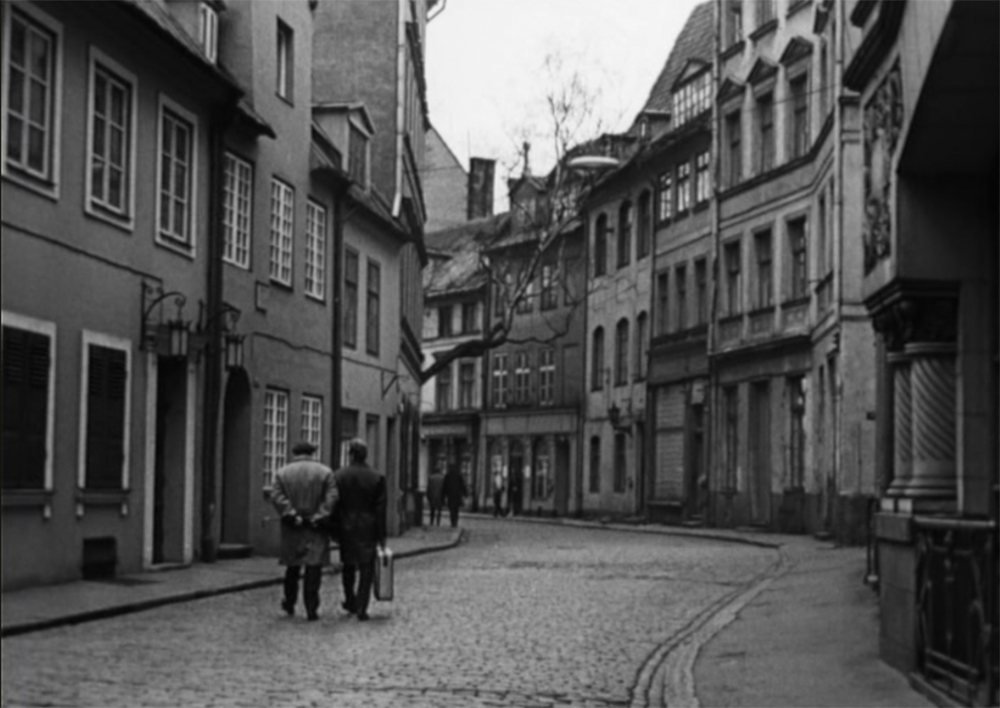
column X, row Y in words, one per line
column 542, row 215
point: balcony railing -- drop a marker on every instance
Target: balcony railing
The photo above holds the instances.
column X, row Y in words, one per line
column 957, row 607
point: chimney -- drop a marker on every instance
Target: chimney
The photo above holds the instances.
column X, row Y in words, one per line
column 480, row 191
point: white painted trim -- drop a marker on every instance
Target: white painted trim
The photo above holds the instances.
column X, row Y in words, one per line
column 149, row 471
column 166, row 103
column 88, row 337
column 31, row 324
column 189, row 444
column 126, row 220
column 56, row 28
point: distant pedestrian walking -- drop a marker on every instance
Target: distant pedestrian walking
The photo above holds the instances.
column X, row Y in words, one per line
column 435, row 496
column 304, row 494
column 515, row 485
column 361, row 528
column 454, row 492
column 498, row 488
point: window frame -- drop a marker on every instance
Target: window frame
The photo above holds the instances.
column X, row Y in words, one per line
column 311, row 421
column 680, row 295
column 208, row 31
column 102, row 209
column 281, row 233
column 373, row 307
column 621, row 463
column 665, row 199
column 315, row 251
column 622, row 333
column 237, row 209
column 641, row 346
column 601, row 245
column 46, row 329
column 734, row 276
column 734, row 147
column 273, row 461
column 352, row 297
column 498, row 376
column 798, row 114
column 90, row 338
column 547, row 376
column 180, row 116
column 285, row 62
column 684, row 201
column 702, row 177
column 445, row 314
column 522, row 377
column 764, row 265
column 701, row 290
column 597, row 359
column 47, row 181
column 663, row 302
column 442, row 390
column 466, row 385
column 798, row 257
column 766, row 135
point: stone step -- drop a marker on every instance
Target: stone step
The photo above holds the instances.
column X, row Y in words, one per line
column 234, row 550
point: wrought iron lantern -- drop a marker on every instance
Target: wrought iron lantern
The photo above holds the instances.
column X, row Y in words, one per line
column 233, row 351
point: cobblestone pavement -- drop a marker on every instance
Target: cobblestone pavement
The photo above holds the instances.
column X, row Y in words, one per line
column 521, row 615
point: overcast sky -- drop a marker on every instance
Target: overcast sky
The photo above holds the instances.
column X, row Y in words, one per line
column 485, row 67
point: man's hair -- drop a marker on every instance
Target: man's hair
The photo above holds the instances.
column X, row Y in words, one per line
column 303, row 447
column 357, row 450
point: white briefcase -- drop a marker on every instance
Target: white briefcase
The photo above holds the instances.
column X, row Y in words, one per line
column 383, row 574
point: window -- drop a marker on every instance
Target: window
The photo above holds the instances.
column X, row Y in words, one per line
column 645, row 234
column 286, row 61
column 110, row 139
column 466, row 385
column 351, row 275
column 601, row 245
column 28, row 397
column 641, row 345
column 621, row 463
column 315, row 250
column 358, row 164
column 275, row 433
column 680, row 283
column 30, row 98
column 236, row 210
column 595, row 465
column 734, row 148
column 444, row 321
column 800, row 264
column 547, row 376
column 282, row 210
column 624, row 234
column 522, row 378
column 176, row 176
column 766, row 12
column 765, row 132
column 312, row 422
column 821, row 247
column 443, row 397
column 691, row 99
column 701, row 291
column 621, row 353
column 106, row 421
column 597, row 360
column 373, row 310
column 662, row 303
column 666, row 202
column 799, row 106
column 702, row 178
column 683, row 187
column 550, row 297
column 733, row 283
column 209, row 31
column 469, row 320
column 765, row 271
column 500, row 380
column 733, row 21
column 524, row 302
column 731, row 421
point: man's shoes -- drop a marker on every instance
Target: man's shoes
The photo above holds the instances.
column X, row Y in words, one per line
column 312, row 615
column 363, row 617
column 349, row 606
column 288, row 607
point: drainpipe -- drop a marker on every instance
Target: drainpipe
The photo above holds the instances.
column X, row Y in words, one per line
column 213, row 348
column 711, row 438
column 336, row 292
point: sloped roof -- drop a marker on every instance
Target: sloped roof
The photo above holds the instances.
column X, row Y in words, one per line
column 695, row 42
column 455, row 255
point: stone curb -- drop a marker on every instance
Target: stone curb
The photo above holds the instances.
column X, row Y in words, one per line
column 187, row 596
column 664, row 530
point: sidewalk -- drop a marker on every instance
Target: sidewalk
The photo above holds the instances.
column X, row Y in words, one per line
column 48, row 606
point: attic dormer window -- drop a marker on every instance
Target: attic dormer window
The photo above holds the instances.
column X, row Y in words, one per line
column 691, row 98
column 209, row 31
column 358, row 156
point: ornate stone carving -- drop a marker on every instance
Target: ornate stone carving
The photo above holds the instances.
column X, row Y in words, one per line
column 917, row 319
column 883, row 121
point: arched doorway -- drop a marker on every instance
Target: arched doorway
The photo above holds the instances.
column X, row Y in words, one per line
column 236, row 467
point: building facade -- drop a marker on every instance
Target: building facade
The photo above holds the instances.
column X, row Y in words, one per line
column 928, row 88
column 790, row 343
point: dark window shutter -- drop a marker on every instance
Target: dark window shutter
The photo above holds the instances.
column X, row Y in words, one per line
column 105, row 417
column 26, row 361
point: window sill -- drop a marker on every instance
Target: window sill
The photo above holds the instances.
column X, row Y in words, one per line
column 797, row 5
column 41, row 187
column 175, row 246
column 26, row 498
column 701, row 206
column 234, row 264
column 795, row 302
column 769, row 309
column 732, row 50
column 124, row 223
column 286, row 287
column 765, row 29
column 102, row 497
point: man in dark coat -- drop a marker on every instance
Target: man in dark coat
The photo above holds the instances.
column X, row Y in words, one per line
column 303, row 494
column 454, row 491
column 361, row 525
column 435, row 496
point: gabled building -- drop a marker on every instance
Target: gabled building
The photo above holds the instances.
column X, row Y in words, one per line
column 789, row 341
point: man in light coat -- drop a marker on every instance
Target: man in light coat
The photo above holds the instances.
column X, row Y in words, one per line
column 361, row 525
column 304, row 493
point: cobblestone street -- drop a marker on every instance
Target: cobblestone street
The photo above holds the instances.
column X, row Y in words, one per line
column 521, row 615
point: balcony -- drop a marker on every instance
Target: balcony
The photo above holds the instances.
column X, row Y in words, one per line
column 795, row 314
column 730, row 330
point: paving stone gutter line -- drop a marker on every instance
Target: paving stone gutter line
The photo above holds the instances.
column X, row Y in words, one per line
column 172, row 597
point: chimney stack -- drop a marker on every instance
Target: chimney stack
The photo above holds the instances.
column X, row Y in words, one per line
column 480, row 189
